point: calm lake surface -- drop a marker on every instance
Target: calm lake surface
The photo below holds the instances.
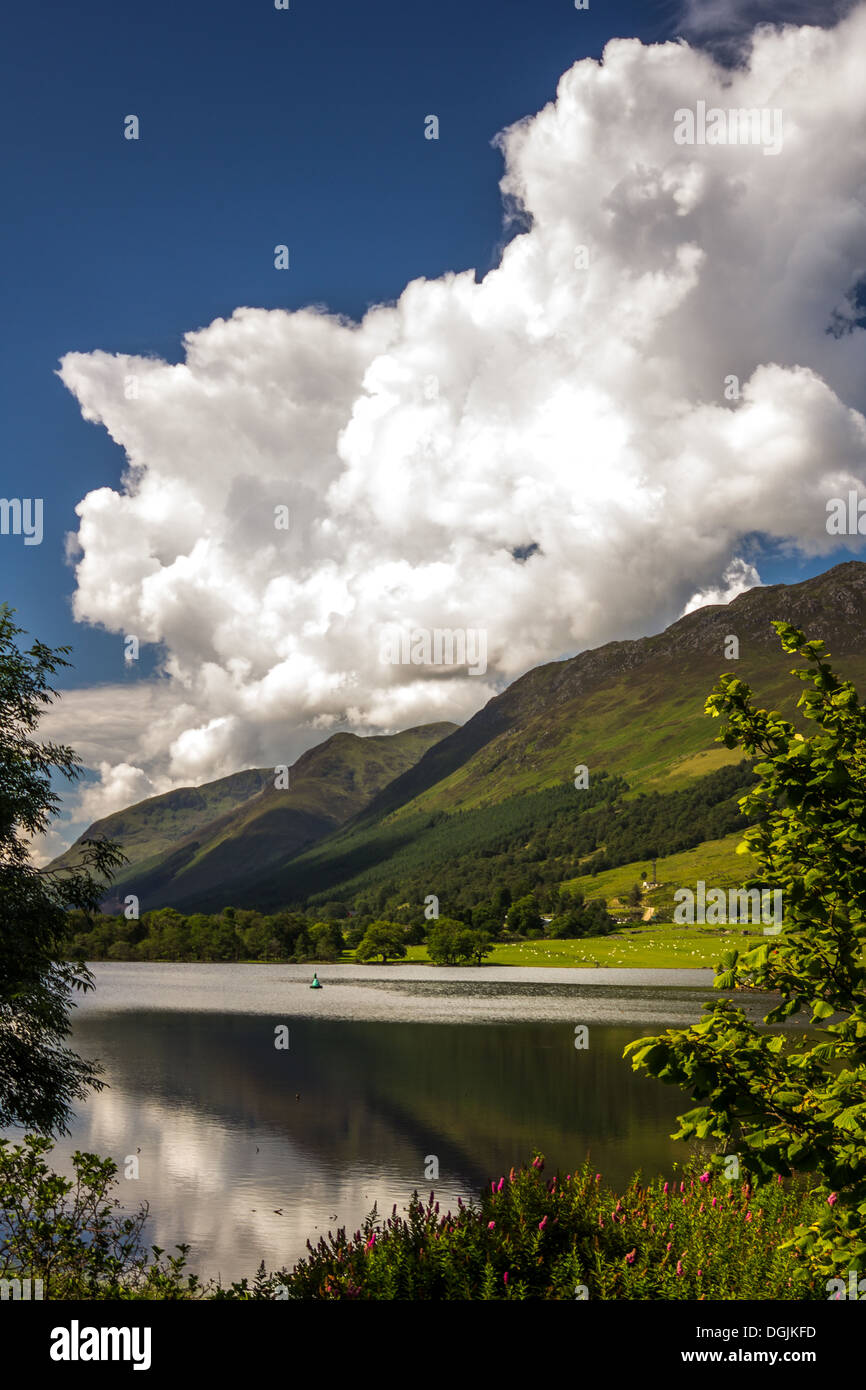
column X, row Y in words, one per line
column 245, row 1151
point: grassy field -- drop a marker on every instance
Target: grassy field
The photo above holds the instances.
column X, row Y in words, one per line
column 715, row 861
column 648, row 945
column 645, row 945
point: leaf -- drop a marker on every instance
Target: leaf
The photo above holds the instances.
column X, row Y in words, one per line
column 852, row 1119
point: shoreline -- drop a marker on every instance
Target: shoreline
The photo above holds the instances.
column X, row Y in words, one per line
column 358, row 972
column 362, row 970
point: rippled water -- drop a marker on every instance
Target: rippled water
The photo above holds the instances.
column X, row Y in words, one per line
column 245, row 1151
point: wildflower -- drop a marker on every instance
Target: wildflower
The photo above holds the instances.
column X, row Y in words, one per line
column 748, row 1216
column 629, row 1259
column 669, row 1244
column 715, row 1201
column 779, row 1179
column 598, row 1177
column 679, row 1267
column 832, row 1200
column 501, row 1184
column 700, row 1272
column 667, row 1188
column 705, row 1177
column 371, row 1242
column 682, row 1187
column 491, row 1225
column 505, row 1277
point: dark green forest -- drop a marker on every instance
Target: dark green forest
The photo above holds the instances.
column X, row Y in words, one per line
column 526, row 843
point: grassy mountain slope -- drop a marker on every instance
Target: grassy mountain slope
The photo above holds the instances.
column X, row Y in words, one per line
column 717, row 862
column 637, row 707
column 192, row 844
column 629, row 709
column 496, row 798
column 541, row 838
column 153, row 827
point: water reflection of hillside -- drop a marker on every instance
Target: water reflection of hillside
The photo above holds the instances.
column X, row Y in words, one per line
column 478, row 1098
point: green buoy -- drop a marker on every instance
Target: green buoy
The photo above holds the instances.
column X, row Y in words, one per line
column 315, row 984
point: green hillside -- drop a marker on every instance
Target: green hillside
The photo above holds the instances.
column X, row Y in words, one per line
column 630, row 710
column 715, row 861
column 636, row 708
column 462, row 813
column 523, row 843
column 150, row 828
column 190, row 846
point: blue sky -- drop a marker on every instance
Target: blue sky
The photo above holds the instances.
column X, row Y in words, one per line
column 260, row 127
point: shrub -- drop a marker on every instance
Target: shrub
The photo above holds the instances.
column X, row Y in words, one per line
column 72, row 1235
column 798, row 1104
column 700, row 1237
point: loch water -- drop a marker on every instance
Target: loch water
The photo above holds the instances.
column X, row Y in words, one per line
column 245, row 1149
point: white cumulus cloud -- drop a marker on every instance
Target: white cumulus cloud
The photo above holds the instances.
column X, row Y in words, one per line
column 548, row 454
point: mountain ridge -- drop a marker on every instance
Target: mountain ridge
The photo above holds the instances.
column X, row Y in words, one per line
column 205, row 835
column 632, row 709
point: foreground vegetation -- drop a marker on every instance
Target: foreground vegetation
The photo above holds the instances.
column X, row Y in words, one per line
column 800, row 1104
column 570, row 1237
column 694, row 1236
